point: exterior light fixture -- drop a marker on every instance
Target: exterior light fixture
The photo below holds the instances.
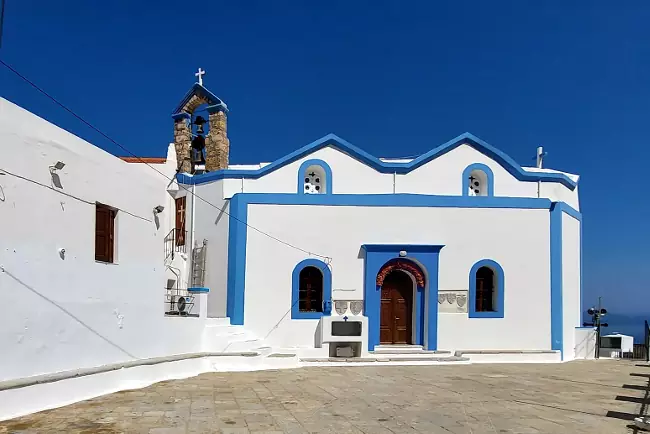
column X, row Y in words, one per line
column 57, row 166
column 158, row 209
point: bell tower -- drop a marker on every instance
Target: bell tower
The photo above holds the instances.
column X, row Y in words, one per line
column 196, row 151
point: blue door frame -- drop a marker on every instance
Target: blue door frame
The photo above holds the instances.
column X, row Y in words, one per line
column 426, row 257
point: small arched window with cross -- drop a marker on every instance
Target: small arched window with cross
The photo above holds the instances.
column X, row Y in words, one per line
column 314, row 177
column 478, row 180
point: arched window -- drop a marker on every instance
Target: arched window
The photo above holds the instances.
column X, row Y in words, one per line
column 486, row 290
column 485, row 279
column 478, row 180
column 312, row 290
column 314, row 177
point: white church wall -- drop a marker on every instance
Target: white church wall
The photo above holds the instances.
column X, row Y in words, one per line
column 444, row 176
column 570, row 283
column 211, row 222
column 516, row 239
column 71, row 312
column 559, row 193
column 441, row 176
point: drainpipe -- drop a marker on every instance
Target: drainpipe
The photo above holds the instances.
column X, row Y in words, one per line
column 394, row 177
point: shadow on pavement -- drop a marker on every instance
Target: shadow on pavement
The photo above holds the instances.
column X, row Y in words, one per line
column 642, row 401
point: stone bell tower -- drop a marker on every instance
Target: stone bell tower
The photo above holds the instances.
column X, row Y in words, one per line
column 195, row 151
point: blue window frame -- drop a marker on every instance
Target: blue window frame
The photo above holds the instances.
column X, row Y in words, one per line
column 312, row 180
column 311, row 293
column 486, row 290
column 482, row 176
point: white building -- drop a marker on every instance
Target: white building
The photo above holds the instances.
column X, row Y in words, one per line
column 460, row 249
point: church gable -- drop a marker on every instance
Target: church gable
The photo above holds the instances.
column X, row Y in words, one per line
column 487, row 161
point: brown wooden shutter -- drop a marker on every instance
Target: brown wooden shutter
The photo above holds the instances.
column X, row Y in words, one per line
column 104, row 233
column 180, row 221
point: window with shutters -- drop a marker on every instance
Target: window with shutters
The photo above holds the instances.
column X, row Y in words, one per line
column 180, row 221
column 311, row 295
column 486, row 290
column 104, row 233
column 310, row 290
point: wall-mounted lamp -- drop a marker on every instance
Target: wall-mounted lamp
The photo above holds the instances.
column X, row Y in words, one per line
column 158, row 209
column 57, row 166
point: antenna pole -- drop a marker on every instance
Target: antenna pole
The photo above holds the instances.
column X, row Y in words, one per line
column 540, row 157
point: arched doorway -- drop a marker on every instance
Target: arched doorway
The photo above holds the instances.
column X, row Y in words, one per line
column 396, row 318
column 401, row 285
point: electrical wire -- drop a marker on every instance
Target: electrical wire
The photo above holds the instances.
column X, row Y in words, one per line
column 106, row 136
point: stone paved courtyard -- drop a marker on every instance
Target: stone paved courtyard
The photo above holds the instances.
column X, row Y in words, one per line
column 578, row 397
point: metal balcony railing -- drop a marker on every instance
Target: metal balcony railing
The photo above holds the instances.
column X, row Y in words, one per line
column 175, row 242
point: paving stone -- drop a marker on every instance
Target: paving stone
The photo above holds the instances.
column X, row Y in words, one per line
column 572, row 397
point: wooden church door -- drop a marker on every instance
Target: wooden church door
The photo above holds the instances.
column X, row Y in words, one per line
column 396, row 309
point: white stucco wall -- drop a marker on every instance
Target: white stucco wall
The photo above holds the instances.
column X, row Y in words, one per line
column 74, row 312
column 441, row 176
column 570, row 282
column 211, row 223
column 517, row 239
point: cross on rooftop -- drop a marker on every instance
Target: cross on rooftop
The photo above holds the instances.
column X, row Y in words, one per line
column 200, row 75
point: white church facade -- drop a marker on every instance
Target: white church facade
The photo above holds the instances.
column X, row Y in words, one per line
column 125, row 271
column 458, row 249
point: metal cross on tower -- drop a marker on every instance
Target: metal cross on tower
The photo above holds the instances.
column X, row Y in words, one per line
column 200, row 75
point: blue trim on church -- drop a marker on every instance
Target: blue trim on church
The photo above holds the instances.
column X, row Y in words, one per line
column 214, row 102
column 424, row 257
column 557, row 304
column 295, row 290
column 488, row 173
column 315, row 162
column 499, row 305
column 238, row 234
column 336, row 142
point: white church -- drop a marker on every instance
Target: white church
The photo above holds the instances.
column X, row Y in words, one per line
column 123, row 271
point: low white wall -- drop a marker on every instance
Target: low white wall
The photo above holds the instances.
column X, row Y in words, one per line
column 585, row 343
column 517, row 239
column 71, row 313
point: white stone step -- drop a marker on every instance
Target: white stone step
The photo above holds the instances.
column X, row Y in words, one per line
column 431, row 360
column 398, row 349
column 424, row 354
column 217, row 322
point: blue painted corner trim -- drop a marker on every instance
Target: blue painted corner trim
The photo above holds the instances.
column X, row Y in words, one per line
column 237, row 235
column 315, row 162
column 488, row 173
column 499, row 311
column 198, row 290
column 381, row 166
column 557, row 318
column 295, row 289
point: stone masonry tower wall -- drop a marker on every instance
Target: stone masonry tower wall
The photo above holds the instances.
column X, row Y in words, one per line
column 183, row 143
column 217, row 145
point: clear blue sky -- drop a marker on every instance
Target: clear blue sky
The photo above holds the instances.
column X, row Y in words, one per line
column 394, row 78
